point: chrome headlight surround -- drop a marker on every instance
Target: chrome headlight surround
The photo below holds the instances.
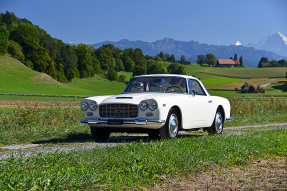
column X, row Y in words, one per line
column 93, row 105
column 143, row 105
column 84, row 105
column 152, row 105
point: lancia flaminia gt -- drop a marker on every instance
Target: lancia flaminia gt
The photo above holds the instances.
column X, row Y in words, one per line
column 160, row 105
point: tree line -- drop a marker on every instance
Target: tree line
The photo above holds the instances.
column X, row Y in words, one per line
column 264, row 63
column 35, row 48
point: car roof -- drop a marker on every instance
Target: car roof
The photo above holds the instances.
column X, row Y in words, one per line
column 165, row 75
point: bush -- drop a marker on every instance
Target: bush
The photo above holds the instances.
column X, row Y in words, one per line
column 122, row 78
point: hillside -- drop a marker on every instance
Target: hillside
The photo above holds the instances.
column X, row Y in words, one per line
column 16, row 78
column 191, row 49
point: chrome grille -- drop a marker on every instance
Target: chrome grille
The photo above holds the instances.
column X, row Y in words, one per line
column 119, row 110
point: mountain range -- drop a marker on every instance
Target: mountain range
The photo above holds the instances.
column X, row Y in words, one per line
column 275, row 42
column 251, row 55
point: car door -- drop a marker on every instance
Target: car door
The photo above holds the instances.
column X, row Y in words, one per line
column 201, row 104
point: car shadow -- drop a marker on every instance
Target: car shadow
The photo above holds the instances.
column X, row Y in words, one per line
column 85, row 137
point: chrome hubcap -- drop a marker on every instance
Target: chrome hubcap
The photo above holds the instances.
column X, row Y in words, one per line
column 218, row 123
column 173, row 126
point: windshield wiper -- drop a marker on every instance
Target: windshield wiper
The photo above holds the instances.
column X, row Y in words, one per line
column 158, row 86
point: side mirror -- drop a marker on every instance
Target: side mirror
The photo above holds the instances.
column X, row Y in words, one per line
column 194, row 92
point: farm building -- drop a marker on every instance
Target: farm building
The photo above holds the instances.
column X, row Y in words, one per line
column 227, row 63
column 264, row 65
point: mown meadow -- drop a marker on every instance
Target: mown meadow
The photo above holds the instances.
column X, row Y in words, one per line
column 138, row 166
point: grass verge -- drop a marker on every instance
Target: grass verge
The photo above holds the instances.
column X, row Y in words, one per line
column 138, row 166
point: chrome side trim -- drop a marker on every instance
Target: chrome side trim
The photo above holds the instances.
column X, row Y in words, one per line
column 229, row 118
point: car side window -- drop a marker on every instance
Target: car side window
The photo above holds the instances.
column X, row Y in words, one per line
column 194, row 85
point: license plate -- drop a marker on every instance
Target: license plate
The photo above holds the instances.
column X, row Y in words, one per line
column 115, row 122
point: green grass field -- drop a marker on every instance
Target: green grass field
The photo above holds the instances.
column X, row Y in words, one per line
column 140, row 166
column 248, row 73
column 16, row 78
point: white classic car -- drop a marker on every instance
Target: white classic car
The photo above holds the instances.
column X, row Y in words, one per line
column 160, row 105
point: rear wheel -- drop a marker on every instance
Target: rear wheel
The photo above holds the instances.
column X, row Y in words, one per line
column 100, row 134
column 171, row 126
column 217, row 126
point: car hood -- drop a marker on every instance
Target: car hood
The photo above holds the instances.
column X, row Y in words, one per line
column 132, row 98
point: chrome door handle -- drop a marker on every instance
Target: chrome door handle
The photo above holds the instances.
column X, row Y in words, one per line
column 209, row 101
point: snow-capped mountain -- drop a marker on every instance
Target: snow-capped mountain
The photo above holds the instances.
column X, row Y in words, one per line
column 275, row 42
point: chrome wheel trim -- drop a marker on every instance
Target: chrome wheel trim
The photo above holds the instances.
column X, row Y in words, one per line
column 173, row 126
column 218, row 123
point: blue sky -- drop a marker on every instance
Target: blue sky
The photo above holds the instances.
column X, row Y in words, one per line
column 220, row 22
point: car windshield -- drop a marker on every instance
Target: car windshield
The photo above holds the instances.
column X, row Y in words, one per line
column 157, row 84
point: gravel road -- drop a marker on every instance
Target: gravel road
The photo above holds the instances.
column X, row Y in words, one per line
column 28, row 150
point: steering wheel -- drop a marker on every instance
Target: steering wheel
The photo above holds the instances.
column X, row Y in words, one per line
column 174, row 87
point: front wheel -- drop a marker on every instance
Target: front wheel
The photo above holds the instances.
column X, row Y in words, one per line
column 217, row 126
column 100, row 134
column 171, row 126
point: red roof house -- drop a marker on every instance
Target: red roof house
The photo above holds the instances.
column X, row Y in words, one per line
column 227, row 63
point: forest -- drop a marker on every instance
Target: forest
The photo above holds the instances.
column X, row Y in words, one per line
column 35, row 48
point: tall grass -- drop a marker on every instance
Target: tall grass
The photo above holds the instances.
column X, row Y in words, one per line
column 259, row 111
column 56, row 123
column 32, row 124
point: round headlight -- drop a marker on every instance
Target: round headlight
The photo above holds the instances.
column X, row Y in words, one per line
column 84, row 105
column 143, row 105
column 93, row 106
column 152, row 105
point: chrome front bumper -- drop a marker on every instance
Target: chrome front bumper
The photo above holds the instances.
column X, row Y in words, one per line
column 153, row 124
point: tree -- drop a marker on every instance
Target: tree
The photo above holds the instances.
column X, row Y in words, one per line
column 176, row 68
column 119, row 65
column 155, row 67
column 112, row 74
column 210, row 59
column 129, row 64
column 251, row 89
column 161, row 55
column 139, row 70
column 7, row 19
column 15, row 50
column 105, row 56
column 182, row 59
column 274, row 63
column 283, row 63
column 138, row 57
column 263, row 60
column 200, row 59
column 85, row 61
column 172, row 58
column 235, row 57
column 122, row 78
column 4, row 37
column 241, row 61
